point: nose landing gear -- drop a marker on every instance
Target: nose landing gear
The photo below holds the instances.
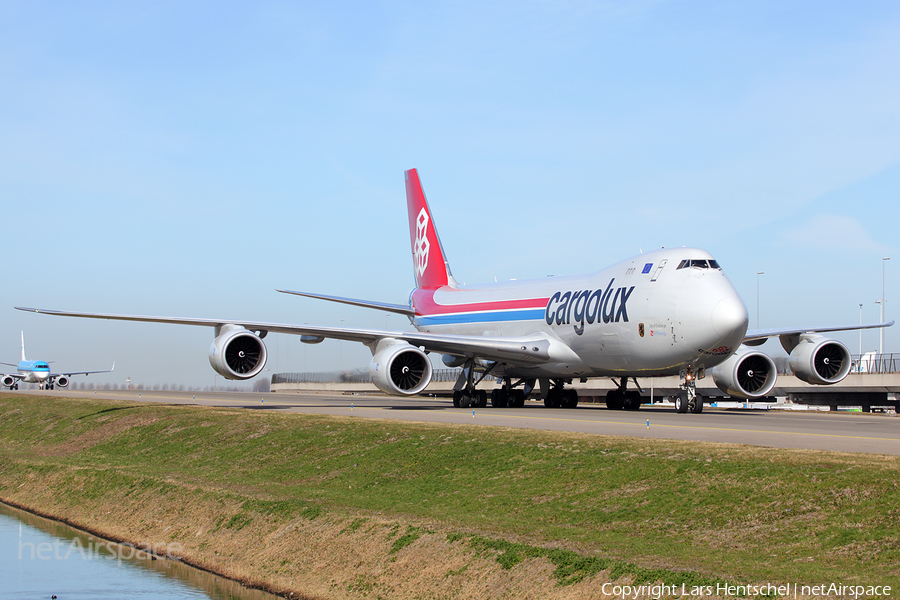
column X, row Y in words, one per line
column 688, row 399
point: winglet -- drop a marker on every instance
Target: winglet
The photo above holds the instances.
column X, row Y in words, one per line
column 23, row 345
column 429, row 261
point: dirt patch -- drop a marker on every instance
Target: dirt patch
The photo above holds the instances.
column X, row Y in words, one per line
column 98, row 435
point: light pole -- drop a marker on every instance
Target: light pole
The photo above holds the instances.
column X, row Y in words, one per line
column 341, row 350
column 758, row 273
column 881, row 345
column 860, row 331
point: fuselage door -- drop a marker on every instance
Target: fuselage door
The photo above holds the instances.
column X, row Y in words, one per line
column 659, row 269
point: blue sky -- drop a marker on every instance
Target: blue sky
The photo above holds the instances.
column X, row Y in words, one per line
column 187, row 158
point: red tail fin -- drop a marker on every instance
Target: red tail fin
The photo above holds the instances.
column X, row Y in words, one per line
column 429, row 261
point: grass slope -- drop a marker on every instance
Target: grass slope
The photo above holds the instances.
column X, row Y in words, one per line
column 646, row 510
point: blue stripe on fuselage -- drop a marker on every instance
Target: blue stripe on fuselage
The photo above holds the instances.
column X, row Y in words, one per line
column 534, row 314
column 33, row 366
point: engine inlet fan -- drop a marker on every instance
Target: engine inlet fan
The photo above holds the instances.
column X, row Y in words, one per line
column 753, row 373
column 407, row 370
column 829, row 361
column 242, row 355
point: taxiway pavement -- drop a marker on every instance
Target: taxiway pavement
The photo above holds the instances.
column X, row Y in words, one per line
column 842, row 432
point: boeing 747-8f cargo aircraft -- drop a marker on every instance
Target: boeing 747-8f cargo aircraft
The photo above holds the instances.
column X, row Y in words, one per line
column 668, row 312
column 38, row 371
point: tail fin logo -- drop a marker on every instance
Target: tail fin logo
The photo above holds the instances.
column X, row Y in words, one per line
column 421, row 243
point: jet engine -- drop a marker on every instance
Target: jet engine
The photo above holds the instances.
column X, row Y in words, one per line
column 8, row 381
column 746, row 374
column 62, row 381
column 237, row 353
column 820, row 360
column 400, row 369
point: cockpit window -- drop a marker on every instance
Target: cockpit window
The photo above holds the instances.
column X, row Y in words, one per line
column 699, row 263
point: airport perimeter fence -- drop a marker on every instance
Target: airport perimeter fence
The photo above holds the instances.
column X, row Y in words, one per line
column 876, row 363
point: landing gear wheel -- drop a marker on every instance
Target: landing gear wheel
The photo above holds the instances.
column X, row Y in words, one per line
column 681, row 402
column 614, row 400
column 571, row 399
column 552, row 399
column 632, row 400
column 518, row 399
column 697, row 406
column 499, row 398
column 479, row 399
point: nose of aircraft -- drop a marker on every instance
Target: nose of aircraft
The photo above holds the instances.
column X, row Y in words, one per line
column 730, row 318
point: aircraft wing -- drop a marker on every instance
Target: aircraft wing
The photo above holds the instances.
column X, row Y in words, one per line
column 70, row 373
column 394, row 308
column 525, row 349
column 755, row 337
column 13, row 375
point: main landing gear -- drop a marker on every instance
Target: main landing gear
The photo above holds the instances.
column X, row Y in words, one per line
column 688, row 400
column 622, row 399
column 560, row 397
column 508, row 396
column 465, row 395
column 469, row 398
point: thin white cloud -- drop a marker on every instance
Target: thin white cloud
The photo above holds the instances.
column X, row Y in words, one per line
column 833, row 232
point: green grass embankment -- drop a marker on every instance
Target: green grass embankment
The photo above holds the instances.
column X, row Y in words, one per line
column 344, row 507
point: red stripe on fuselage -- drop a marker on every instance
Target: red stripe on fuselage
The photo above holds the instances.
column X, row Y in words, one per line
column 425, row 305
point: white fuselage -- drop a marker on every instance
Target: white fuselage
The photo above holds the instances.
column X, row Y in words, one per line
column 644, row 316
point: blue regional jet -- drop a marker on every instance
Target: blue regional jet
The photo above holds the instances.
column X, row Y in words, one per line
column 38, row 371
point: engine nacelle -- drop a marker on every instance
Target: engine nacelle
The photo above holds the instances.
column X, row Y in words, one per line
column 452, row 361
column 820, row 360
column 746, row 374
column 237, row 353
column 8, row 381
column 62, row 381
column 400, row 369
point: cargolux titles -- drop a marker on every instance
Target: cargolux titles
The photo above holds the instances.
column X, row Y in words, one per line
column 576, row 307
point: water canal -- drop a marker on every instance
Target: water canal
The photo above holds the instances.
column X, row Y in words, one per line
column 41, row 558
